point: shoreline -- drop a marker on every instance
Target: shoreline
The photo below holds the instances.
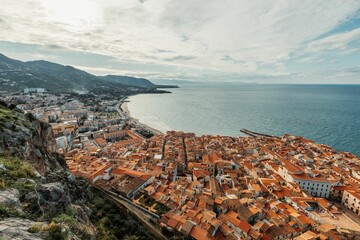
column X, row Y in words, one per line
column 125, row 113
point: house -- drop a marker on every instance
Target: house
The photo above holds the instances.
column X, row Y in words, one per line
column 351, row 200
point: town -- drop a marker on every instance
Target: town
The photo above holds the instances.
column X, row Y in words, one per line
column 204, row 187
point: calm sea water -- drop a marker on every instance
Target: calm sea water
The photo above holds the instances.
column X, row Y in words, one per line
column 328, row 114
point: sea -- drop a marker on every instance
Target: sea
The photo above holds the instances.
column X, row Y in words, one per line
column 328, row 114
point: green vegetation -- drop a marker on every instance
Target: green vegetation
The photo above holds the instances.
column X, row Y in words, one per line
column 18, row 174
column 161, row 209
column 145, row 133
column 119, row 139
column 58, row 78
column 15, row 169
column 64, row 218
column 68, row 216
column 24, row 186
column 149, row 201
column 113, row 222
column 55, row 232
column 55, row 228
column 110, row 114
column 6, row 212
column 35, row 229
column 7, row 115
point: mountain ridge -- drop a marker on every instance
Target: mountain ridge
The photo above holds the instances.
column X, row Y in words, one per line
column 16, row 75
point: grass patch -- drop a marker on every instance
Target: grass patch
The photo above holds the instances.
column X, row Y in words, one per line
column 6, row 212
column 55, row 232
column 24, row 186
column 15, row 169
column 161, row 209
column 7, row 115
column 64, row 218
column 68, row 216
column 148, row 201
column 114, row 114
column 35, row 229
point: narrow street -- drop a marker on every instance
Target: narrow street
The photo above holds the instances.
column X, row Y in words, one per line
column 348, row 212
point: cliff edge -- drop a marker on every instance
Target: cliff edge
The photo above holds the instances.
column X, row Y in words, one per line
column 39, row 198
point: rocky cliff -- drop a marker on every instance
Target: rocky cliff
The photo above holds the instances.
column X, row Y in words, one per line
column 39, row 198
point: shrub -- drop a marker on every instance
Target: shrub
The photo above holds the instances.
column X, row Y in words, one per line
column 64, row 218
column 35, row 229
column 161, row 208
column 6, row 212
column 55, row 233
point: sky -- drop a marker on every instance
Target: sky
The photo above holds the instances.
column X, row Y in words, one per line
column 279, row 41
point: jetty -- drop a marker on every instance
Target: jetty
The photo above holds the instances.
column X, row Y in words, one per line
column 256, row 134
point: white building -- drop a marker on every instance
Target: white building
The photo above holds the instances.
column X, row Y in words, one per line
column 351, row 200
column 34, row 90
column 317, row 187
column 61, row 142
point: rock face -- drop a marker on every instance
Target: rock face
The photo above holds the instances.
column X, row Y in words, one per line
column 53, row 197
column 24, row 136
column 51, row 193
column 10, row 198
column 17, row 229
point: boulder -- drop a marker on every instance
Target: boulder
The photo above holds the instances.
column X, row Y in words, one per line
column 10, row 198
column 2, row 167
column 17, row 229
column 53, row 197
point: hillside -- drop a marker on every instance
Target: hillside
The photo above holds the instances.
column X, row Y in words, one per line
column 41, row 199
column 130, row 81
column 16, row 75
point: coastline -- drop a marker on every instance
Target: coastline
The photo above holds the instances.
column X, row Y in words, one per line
column 125, row 113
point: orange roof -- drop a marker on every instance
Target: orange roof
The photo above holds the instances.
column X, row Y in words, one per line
column 200, row 234
column 244, row 226
column 100, row 141
column 133, row 173
column 305, row 176
column 101, row 170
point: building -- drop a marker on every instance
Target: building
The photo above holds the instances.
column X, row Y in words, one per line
column 129, row 182
column 351, row 200
column 34, row 90
column 315, row 186
column 61, row 142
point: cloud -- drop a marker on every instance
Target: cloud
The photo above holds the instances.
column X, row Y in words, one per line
column 179, row 58
column 310, row 59
column 196, row 37
column 339, row 41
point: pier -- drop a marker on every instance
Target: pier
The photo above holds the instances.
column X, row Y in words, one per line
column 256, row 134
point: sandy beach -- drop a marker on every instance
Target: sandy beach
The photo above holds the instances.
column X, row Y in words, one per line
column 124, row 110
